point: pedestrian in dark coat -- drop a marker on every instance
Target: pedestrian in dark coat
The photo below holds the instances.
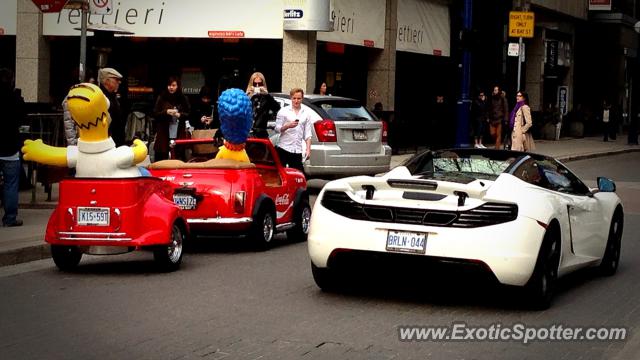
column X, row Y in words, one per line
column 12, row 106
column 265, row 107
column 480, row 118
column 169, row 116
column 498, row 115
column 110, row 80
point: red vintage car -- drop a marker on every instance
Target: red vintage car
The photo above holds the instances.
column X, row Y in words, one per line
column 226, row 197
column 104, row 216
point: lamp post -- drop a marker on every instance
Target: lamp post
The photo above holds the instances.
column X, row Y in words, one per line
column 464, row 103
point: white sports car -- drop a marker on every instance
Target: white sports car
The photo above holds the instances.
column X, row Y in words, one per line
column 524, row 218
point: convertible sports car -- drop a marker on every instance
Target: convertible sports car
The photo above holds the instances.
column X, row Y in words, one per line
column 523, row 219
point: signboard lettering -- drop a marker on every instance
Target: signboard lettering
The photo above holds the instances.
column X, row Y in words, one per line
column 521, row 24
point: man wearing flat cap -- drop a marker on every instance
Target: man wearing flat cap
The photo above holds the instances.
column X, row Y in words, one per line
column 109, row 79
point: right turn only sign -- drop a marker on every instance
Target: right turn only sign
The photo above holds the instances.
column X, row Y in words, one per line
column 521, row 24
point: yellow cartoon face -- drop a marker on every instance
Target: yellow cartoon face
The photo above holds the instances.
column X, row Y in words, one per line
column 89, row 109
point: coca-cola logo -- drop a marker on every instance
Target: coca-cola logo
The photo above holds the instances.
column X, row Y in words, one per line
column 282, row 199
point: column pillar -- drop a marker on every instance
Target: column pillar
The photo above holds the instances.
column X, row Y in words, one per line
column 32, row 54
column 381, row 79
column 299, row 60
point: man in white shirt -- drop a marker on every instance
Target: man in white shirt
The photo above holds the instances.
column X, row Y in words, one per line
column 294, row 125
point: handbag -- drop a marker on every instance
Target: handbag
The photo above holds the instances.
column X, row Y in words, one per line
column 204, row 134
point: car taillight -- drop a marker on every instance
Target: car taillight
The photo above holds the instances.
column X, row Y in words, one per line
column 238, row 202
column 326, row 131
column 385, row 132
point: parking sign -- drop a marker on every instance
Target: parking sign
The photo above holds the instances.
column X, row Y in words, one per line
column 563, row 99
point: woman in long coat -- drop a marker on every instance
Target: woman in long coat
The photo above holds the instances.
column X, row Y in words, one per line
column 521, row 123
column 170, row 113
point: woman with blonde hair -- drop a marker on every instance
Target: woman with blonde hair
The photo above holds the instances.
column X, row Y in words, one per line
column 265, row 107
column 257, row 84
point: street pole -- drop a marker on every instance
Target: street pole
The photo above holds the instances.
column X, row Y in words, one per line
column 463, row 105
column 83, row 42
column 520, row 51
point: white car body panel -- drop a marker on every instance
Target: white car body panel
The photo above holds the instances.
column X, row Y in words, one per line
column 509, row 249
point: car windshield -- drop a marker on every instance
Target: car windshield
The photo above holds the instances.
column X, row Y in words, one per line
column 345, row 110
column 452, row 165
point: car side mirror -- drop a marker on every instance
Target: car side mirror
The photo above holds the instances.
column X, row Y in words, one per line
column 606, row 185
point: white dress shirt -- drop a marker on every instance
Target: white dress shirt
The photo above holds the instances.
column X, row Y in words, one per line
column 291, row 139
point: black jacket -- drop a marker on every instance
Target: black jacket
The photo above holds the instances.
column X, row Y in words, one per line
column 118, row 122
column 12, row 104
column 265, row 107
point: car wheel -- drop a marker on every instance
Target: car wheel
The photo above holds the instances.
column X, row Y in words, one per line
column 325, row 278
column 66, row 258
column 542, row 284
column 263, row 228
column 611, row 258
column 169, row 257
column 302, row 218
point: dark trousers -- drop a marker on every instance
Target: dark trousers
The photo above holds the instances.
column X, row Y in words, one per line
column 609, row 131
column 289, row 159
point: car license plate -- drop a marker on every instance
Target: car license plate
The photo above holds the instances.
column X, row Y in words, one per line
column 404, row 241
column 184, row 201
column 360, row 135
column 93, row 216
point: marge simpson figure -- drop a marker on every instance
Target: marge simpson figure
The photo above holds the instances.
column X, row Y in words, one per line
column 96, row 154
column 236, row 118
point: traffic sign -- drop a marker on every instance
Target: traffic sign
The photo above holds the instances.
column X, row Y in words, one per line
column 101, row 7
column 50, row 6
column 521, row 24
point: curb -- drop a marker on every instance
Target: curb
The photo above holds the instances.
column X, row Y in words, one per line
column 569, row 158
column 23, row 255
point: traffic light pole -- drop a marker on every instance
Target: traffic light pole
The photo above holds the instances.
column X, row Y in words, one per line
column 464, row 103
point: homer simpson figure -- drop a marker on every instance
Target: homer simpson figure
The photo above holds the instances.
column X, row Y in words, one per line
column 96, row 154
column 236, row 119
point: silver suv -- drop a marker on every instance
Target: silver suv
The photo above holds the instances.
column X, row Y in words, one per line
column 347, row 139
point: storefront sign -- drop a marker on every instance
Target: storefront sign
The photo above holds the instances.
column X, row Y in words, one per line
column 600, row 5
column 257, row 19
column 310, row 15
column 563, row 99
column 8, row 16
column 357, row 22
column 423, row 27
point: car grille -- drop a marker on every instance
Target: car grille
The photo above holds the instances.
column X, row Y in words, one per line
column 484, row 215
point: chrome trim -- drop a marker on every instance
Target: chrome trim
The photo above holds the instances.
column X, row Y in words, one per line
column 93, row 202
column 94, row 239
column 117, row 211
column 244, row 220
column 92, row 233
column 285, row 226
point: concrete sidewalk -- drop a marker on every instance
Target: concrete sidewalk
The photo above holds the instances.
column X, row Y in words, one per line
column 26, row 243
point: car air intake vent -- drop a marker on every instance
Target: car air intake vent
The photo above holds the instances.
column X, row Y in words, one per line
column 340, row 203
column 487, row 214
column 484, row 215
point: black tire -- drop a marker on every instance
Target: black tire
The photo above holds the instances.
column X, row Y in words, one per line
column 263, row 228
column 301, row 218
column 611, row 257
column 541, row 287
column 326, row 278
column 66, row 258
column 169, row 257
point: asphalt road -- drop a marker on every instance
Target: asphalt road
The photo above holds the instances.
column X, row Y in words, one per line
column 228, row 302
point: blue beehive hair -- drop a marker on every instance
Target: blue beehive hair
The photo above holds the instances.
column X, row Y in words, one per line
column 236, row 115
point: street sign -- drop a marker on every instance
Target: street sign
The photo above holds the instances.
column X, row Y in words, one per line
column 50, row 6
column 513, row 49
column 521, row 24
column 101, row 7
column 563, row 99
